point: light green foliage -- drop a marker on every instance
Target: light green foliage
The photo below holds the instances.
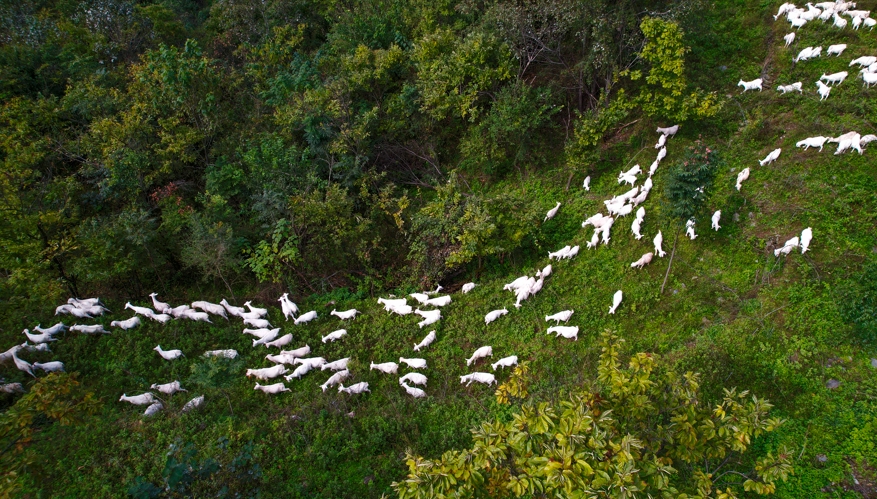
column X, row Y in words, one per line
column 516, row 386
column 665, row 91
column 453, row 73
column 628, row 435
column 56, row 398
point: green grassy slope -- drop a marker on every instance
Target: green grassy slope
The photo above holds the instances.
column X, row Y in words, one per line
column 731, row 311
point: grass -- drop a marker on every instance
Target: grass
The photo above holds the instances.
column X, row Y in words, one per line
column 731, row 311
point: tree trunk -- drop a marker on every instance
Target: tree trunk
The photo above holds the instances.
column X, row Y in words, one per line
column 672, row 253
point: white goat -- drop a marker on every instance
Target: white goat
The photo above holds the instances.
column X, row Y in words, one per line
column 347, row 314
column 281, row 342
column 299, row 372
column 789, row 38
column 750, row 85
column 429, row 316
column 57, row 328
column 794, row 87
column 168, row 354
column 272, row 389
column 414, row 392
column 545, row 272
column 211, row 308
column 486, row 351
column 413, row 363
column 401, row 309
column 235, row 311
column 288, row 308
column 741, row 177
column 833, row 78
column 143, row 399
column 836, row 49
column 160, row 306
column 126, row 324
column 810, row 142
column 306, row 317
column 616, row 300
column 551, row 213
column 864, row 61
column 869, row 79
column 256, row 310
column 354, row 389
column 689, row 229
column 50, row 367
column 494, row 315
column 334, row 335
column 168, row 388
column 257, row 323
column 770, row 158
column 486, row 378
column 587, row 183
column 140, row 310
column 193, row 404
column 806, row 237
column 337, row 365
column 386, row 367
column 839, row 21
column 559, row 316
column 335, row 379
column 267, row 372
column 95, row 329
column 200, row 316
column 715, row 219
column 439, row 301
column 427, row 341
column 314, row 362
column 509, row 361
column 469, row 286
column 668, row 131
column 787, row 247
column 298, row 352
column 414, row 378
column 568, row 332
column 39, row 338
column 643, row 260
column 266, row 339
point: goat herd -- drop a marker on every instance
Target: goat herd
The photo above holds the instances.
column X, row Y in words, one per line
column 257, row 325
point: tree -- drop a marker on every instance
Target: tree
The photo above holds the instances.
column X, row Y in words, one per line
column 55, row 398
column 640, row 431
column 687, row 188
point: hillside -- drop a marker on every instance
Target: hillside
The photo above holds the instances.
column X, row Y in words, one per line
column 334, row 155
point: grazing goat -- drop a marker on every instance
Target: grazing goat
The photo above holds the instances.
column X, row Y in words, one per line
column 439, row 301
column 203, row 317
column 643, row 260
column 337, row 365
column 661, row 141
column 272, row 389
column 787, row 247
column 835, row 77
column 668, row 131
column 806, row 237
column 486, row 378
column 494, row 315
column 509, row 361
column 168, row 354
column 281, row 342
column 126, row 324
column 568, row 332
column 864, row 61
column 95, row 329
column 836, row 49
column 49, row 367
column 153, row 408
column 267, row 372
column 469, row 286
column 267, row 338
column 298, row 352
column 334, row 335
column 794, row 87
column 551, row 213
column 486, row 351
column 386, row 367
column 413, row 363
column 414, row 378
column 306, row 317
column 354, row 389
column 168, row 388
column 335, row 379
column 616, row 300
column 810, row 142
column 414, row 392
column 715, row 219
column 143, row 399
column 770, row 158
column 429, row 316
column 193, row 404
column 689, row 229
column 560, row 316
column 427, row 341
column 741, row 177
column 57, row 328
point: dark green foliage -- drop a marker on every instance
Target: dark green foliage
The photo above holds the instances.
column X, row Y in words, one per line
column 858, row 301
column 689, row 182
